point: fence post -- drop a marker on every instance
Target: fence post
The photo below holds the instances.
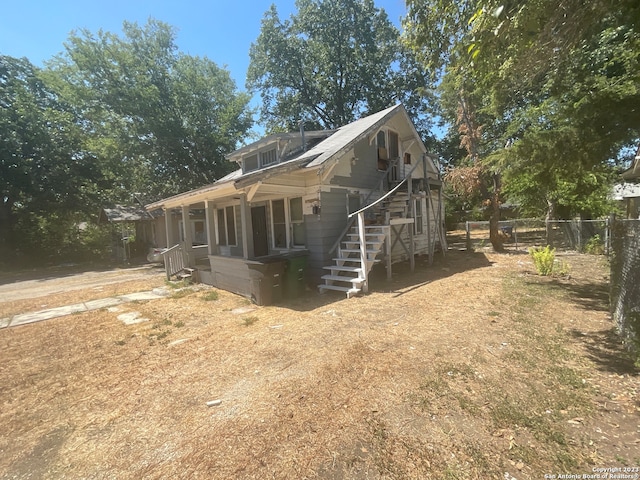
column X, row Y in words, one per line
column 469, row 247
column 607, row 233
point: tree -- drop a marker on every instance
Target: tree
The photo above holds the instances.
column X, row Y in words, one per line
column 555, row 85
column 45, row 175
column 166, row 118
column 331, row 63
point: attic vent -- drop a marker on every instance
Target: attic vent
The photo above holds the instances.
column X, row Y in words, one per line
column 269, row 157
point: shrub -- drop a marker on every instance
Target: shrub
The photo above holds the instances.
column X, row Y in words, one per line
column 595, row 246
column 543, row 259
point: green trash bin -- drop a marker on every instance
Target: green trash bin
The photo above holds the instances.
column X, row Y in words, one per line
column 295, row 275
column 266, row 281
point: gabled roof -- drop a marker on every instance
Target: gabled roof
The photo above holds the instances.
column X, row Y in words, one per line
column 336, row 143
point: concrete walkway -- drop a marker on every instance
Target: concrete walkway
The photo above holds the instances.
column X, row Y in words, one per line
column 26, row 318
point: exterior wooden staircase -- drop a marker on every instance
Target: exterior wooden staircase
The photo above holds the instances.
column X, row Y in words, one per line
column 348, row 274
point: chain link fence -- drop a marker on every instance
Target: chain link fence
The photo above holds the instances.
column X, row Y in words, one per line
column 625, row 279
column 591, row 236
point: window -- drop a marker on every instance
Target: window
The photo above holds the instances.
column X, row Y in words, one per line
column 231, row 225
column 417, row 214
column 199, row 236
column 381, row 140
column 407, row 159
column 269, row 157
column 250, row 162
column 279, row 224
column 222, row 230
column 226, row 226
column 394, row 147
column 297, row 221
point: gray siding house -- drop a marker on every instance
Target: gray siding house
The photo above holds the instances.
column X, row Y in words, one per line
column 343, row 199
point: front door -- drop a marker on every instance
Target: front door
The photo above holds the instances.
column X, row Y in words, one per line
column 259, row 225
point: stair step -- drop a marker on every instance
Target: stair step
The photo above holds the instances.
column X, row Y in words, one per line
column 356, row 242
column 367, row 234
column 340, row 278
column 344, row 268
column 349, row 291
column 357, row 250
column 347, row 259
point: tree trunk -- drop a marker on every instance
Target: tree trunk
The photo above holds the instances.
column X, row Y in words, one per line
column 551, row 212
column 6, row 226
column 494, row 231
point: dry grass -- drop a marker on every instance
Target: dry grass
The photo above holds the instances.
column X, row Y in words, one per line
column 467, row 369
column 67, row 298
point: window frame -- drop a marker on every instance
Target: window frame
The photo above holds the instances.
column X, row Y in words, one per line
column 284, row 224
column 272, row 152
column 223, row 222
column 299, row 222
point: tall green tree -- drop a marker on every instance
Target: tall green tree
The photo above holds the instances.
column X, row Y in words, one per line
column 330, row 63
column 46, row 176
column 555, row 83
column 166, row 118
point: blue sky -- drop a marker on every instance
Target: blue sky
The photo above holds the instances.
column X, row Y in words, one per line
column 220, row 30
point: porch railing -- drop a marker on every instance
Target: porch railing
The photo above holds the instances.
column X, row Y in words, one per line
column 351, row 220
column 173, row 260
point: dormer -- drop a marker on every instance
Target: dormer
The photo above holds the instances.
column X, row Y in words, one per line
column 260, row 159
column 275, row 149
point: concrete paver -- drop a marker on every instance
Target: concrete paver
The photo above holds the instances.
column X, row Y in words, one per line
column 109, row 302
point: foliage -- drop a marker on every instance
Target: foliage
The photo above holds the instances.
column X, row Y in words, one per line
column 46, row 176
column 331, row 63
column 111, row 119
column 554, row 85
column 594, row 246
column 167, row 119
column 543, row 259
column 211, row 296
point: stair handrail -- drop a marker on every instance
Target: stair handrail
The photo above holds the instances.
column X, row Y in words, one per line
column 351, row 216
column 392, row 164
column 173, row 260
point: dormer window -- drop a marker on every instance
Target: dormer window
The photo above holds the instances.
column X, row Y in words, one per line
column 268, row 157
column 250, row 163
column 259, row 160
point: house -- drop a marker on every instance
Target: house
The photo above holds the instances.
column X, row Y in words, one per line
column 312, row 200
column 628, row 193
column 133, row 229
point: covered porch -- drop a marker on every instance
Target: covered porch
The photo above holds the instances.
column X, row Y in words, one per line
column 245, row 240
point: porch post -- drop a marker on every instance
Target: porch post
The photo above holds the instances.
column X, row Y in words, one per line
column 168, row 227
column 212, row 246
column 188, row 238
column 412, row 260
column 245, row 221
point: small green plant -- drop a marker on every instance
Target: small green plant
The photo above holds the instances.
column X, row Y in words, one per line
column 177, row 284
column 179, row 324
column 249, row 321
column 543, row 259
column 595, row 246
column 210, row 296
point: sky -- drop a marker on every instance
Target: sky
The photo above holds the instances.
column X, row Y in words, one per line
column 221, row 30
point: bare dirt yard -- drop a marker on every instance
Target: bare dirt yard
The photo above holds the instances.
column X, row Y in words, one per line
column 474, row 367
